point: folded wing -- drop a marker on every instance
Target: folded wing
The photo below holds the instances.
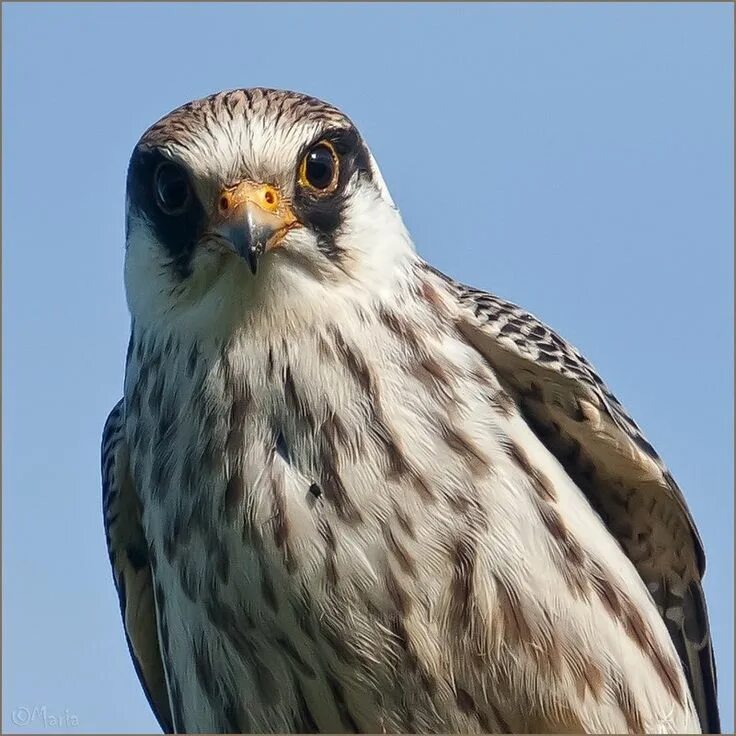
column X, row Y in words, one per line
column 130, row 566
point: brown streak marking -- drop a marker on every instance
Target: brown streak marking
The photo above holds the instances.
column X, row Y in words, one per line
column 406, row 563
column 594, row 679
column 269, row 594
column 433, row 298
column 398, row 464
column 504, row 403
column 358, row 368
column 301, row 606
column 563, row 720
column 638, row 630
column 233, row 494
column 398, row 595
column 427, row 372
column 222, row 565
column 281, row 522
column 355, row 364
column 238, row 412
column 626, row 702
column 334, row 431
column 480, row 372
column 401, row 328
column 574, row 573
column 287, row 647
column 459, row 504
column 205, row 674
column 404, row 522
column 421, row 486
column 460, row 443
column 463, row 562
column 576, row 580
column 435, row 370
column 398, row 629
column 606, row 590
column 328, row 535
column 324, row 348
column 509, row 606
column 541, row 484
column 335, row 492
column 232, row 625
column 553, row 521
column 187, row 584
column 625, row 611
column 465, row 701
column 547, row 657
column 294, row 402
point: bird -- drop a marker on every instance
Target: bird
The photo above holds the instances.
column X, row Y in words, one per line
column 344, row 492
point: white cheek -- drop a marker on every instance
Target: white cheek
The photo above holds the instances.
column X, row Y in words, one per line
column 376, row 239
column 155, row 293
column 146, row 275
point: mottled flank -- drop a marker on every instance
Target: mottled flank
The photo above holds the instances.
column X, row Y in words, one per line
column 345, row 493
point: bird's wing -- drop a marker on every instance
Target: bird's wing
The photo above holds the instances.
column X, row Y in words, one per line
column 584, row 426
column 128, row 551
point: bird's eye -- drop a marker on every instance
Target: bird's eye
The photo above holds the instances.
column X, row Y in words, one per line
column 173, row 192
column 319, row 169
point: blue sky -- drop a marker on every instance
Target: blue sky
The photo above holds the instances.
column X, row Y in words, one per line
column 575, row 159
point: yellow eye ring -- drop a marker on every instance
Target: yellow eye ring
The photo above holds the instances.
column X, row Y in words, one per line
column 319, row 170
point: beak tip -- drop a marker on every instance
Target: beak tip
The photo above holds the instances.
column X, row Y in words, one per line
column 249, row 235
column 252, row 256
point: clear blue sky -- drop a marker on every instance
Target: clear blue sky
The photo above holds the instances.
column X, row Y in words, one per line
column 575, row 159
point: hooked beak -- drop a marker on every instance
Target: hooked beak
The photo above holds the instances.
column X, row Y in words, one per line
column 254, row 218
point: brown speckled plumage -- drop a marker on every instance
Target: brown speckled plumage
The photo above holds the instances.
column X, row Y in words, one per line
column 348, row 494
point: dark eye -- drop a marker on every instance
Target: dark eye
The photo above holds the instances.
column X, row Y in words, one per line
column 173, row 192
column 319, row 168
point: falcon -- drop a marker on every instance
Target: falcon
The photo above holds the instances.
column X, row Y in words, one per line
column 345, row 493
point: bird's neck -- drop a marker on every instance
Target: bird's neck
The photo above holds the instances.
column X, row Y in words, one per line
column 305, row 317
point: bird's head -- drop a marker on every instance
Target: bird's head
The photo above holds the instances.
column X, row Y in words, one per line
column 255, row 199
